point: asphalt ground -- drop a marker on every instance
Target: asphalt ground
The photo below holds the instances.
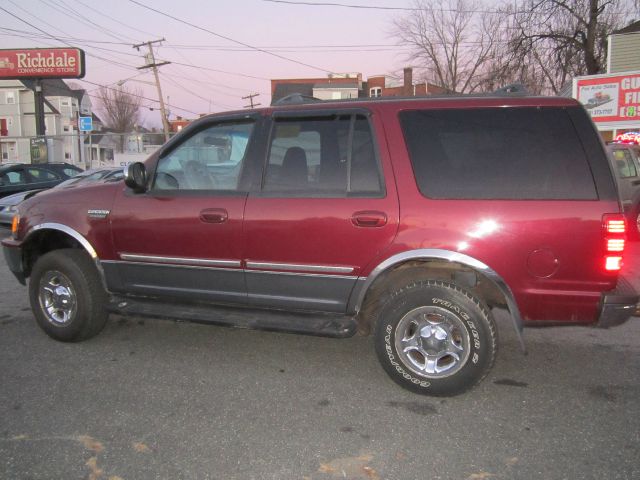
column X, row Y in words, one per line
column 159, row 399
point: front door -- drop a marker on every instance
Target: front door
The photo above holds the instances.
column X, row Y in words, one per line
column 183, row 237
column 322, row 213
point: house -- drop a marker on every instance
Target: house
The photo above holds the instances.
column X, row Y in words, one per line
column 62, row 107
column 351, row 85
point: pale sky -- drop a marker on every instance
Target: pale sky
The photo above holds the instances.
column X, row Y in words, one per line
column 326, row 38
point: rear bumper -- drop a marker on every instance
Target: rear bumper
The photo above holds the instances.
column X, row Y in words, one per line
column 13, row 256
column 619, row 305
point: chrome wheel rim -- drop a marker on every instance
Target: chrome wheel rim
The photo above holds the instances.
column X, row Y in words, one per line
column 57, row 298
column 432, row 342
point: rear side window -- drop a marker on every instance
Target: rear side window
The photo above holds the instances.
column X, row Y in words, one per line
column 497, row 153
column 327, row 156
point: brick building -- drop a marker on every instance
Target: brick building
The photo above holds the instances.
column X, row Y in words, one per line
column 351, row 85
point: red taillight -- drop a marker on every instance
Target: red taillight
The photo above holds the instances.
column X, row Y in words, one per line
column 613, row 231
column 615, row 245
column 614, row 225
column 613, row 264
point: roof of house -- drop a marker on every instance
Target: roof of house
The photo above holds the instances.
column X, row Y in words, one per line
column 631, row 28
column 285, row 89
column 335, row 86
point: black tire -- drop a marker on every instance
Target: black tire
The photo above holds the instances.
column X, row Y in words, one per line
column 67, row 296
column 443, row 321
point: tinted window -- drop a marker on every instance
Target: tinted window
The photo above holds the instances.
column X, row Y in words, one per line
column 12, row 178
column 623, row 163
column 70, row 172
column 210, row 159
column 42, row 175
column 325, row 156
column 497, row 153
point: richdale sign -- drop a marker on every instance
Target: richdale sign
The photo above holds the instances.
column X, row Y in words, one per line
column 42, row 63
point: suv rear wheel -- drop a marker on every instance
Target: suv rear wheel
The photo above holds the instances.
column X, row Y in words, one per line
column 67, row 297
column 435, row 338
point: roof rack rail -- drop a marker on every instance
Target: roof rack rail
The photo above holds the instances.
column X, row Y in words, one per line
column 512, row 89
column 296, row 99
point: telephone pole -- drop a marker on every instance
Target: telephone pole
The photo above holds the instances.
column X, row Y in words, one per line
column 151, row 63
column 250, row 98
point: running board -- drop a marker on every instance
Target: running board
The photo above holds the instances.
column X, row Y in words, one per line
column 305, row 323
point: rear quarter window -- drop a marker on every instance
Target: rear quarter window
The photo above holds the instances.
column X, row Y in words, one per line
column 497, row 153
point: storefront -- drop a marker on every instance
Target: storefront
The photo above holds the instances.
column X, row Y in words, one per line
column 613, row 101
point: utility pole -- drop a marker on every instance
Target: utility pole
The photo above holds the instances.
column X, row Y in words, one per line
column 151, row 63
column 250, row 98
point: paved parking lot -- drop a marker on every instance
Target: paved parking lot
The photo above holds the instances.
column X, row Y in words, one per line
column 161, row 399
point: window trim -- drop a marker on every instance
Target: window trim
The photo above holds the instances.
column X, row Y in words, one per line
column 317, row 114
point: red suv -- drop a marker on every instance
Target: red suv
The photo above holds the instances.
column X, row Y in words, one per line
column 410, row 219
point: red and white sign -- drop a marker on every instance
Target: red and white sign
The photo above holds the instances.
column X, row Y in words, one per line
column 611, row 98
column 42, row 63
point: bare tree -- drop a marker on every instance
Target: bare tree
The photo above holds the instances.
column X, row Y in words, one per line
column 120, row 109
column 560, row 39
column 456, row 44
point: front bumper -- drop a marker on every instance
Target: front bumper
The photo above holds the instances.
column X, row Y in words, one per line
column 619, row 305
column 13, row 256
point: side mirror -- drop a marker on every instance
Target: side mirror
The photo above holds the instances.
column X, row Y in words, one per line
column 135, row 177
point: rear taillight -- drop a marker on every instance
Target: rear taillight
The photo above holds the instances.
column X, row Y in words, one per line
column 614, row 234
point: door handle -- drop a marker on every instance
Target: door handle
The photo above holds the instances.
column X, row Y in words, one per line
column 369, row 219
column 214, row 215
column 635, row 182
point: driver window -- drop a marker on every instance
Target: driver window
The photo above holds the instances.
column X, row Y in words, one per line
column 211, row 159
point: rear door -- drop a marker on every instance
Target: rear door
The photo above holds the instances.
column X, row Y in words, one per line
column 322, row 212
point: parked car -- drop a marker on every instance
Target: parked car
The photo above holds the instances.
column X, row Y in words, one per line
column 9, row 204
column 626, row 162
column 408, row 219
column 18, row 177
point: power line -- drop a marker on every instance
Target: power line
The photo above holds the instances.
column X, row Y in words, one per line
column 139, row 96
column 62, row 41
column 119, row 22
column 402, row 9
column 57, row 5
column 258, row 49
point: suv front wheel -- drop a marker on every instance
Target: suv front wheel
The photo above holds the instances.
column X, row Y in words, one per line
column 435, row 338
column 67, row 297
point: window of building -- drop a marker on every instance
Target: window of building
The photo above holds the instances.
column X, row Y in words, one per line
column 329, row 156
column 67, row 155
column 375, row 92
column 64, row 103
column 11, row 97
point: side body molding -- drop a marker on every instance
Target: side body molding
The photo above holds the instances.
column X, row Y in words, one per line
column 76, row 236
column 453, row 257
